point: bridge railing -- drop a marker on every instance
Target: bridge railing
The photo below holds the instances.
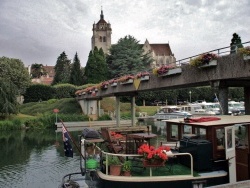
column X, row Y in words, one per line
column 220, row 51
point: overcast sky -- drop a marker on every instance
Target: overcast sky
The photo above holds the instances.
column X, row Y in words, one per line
column 38, row 31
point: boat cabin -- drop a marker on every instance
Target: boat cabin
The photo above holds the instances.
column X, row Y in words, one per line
column 196, row 109
column 228, row 136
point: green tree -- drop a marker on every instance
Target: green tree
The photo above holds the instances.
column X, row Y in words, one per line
column 39, row 92
column 62, row 69
column 235, row 43
column 96, row 69
column 37, row 70
column 8, row 93
column 127, row 57
column 76, row 77
column 14, row 70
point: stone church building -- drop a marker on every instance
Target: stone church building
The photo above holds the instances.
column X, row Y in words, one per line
column 161, row 53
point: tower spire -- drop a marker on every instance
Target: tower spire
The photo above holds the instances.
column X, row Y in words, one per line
column 101, row 16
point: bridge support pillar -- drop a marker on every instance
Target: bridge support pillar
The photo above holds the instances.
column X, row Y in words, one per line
column 133, row 110
column 247, row 100
column 222, row 89
column 223, row 99
column 98, row 108
column 117, row 111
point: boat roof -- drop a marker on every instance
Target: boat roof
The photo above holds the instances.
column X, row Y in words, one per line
column 225, row 120
column 170, row 107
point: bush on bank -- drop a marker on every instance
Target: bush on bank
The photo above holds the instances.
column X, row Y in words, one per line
column 48, row 121
column 7, row 125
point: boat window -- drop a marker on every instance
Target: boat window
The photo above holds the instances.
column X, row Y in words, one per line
column 174, row 131
column 187, row 129
column 220, row 136
column 241, row 135
column 229, row 138
column 201, row 132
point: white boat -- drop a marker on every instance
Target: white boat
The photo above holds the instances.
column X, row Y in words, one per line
column 171, row 112
column 197, row 110
column 210, row 106
column 236, row 108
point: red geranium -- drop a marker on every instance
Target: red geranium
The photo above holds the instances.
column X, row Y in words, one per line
column 152, row 153
column 116, row 135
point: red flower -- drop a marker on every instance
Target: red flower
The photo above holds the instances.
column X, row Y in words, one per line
column 141, row 74
column 149, row 152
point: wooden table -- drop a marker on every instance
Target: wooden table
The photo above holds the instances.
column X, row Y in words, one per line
column 146, row 136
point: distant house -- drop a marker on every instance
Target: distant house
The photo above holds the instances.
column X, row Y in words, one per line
column 161, row 53
column 46, row 79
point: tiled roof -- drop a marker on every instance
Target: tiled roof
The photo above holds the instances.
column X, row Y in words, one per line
column 50, row 70
column 47, row 81
column 161, row 49
column 101, row 21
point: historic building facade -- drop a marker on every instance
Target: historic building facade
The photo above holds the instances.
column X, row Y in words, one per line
column 101, row 34
column 161, row 53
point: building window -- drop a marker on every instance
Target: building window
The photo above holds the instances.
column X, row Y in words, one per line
column 100, row 39
column 104, row 39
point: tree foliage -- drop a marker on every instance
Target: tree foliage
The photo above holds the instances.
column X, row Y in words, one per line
column 235, row 43
column 76, row 76
column 96, row 69
column 14, row 70
column 39, row 92
column 37, row 70
column 62, row 69
column 127, row 57
column 64, row 91
column 176, row 96
column 8, row 101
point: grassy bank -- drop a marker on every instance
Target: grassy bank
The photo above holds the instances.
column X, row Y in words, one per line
column 39, row 115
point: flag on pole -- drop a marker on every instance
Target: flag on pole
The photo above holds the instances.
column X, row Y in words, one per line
column 66, row 140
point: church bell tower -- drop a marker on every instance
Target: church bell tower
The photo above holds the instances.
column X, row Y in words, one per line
column 101, row 34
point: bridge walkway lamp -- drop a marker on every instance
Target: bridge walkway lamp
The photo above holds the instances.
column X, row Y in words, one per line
column 190, row 95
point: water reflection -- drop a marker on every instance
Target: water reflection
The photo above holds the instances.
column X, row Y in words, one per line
column 35, row 158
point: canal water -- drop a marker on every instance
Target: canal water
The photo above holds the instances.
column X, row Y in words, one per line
column 35, row 158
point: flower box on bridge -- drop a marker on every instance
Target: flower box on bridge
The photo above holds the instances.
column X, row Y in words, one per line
column 129, row 81
column 113, row 84
column 172, row 72
column 212, row 63
column 144, row 78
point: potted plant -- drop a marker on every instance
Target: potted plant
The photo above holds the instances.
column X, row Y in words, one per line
column 143, row 76
column 126, row 168
column 204, row 60
column 128, row 79
column 113, row 82
column 153, row 157
column 104, row 85
column 245, row 52
column 115, row 166
column 166, row 70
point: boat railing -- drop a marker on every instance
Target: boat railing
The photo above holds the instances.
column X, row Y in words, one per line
column 107, row 155
column 162, row 116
